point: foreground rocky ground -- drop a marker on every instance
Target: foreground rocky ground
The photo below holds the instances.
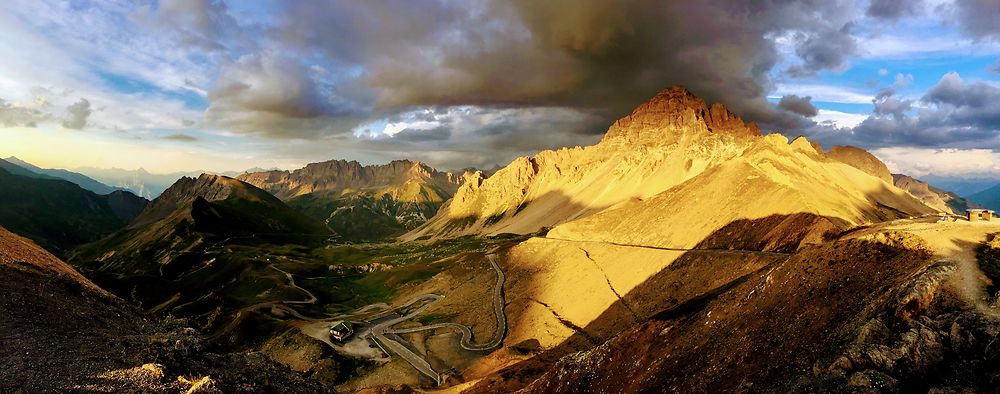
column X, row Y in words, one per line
column 59, row 333
column 896, row 307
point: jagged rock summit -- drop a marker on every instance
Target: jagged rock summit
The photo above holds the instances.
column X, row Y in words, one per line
column 677, row 110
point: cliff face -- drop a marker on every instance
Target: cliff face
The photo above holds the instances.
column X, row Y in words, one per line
column 672, row 141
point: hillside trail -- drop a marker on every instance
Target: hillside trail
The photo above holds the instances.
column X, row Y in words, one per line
column 953, row 241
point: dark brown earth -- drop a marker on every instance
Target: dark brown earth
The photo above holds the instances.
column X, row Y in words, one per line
column 59, row 333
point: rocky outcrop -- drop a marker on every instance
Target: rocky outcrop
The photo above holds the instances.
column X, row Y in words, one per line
column 676, row 110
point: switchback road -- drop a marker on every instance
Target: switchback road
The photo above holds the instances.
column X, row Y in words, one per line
column 498, row 306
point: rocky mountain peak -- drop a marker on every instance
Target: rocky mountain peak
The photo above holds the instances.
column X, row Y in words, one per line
column 207, row 186
column 675, row 111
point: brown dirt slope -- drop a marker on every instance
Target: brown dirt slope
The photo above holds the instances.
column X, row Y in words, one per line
column 61, row 333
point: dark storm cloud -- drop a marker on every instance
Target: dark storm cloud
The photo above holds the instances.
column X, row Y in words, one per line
column 952, row 114
column 978, row 18
column 603, row 55
column 484, row 137
column 278, row 96
column 885, row 104
column 893, row 9
column 419, row 135
column 800, row 105
column 824, row 50
column 325, row 67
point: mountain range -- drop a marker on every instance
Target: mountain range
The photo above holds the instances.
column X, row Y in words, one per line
column 674, row 150
column 140, row 181
column 362, row 202
column 686, row 251
column 989, row 198
column 938, row 199
column 173, row 241
column 77, row 178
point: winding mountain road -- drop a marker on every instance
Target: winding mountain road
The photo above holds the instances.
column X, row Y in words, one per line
column 501, row 318
column 382, row 333
column 379, row 330
column 291, row 282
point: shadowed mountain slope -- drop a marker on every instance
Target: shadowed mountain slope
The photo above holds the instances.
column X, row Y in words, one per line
column 877, row 310
column 178, row 250
column 191, row 213
column 60, row 215
column 989, row 198
column 77, row 178
column 19, row 170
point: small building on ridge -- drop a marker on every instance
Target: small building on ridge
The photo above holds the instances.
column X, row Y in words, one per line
column 976, row 215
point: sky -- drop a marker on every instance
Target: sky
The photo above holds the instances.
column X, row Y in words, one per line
column 185, row 85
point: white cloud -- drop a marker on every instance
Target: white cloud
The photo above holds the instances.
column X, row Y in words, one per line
column 826, row 93
column 839, row 119
column 395, row 127
column 920, row 162
column 912, row 46
column 66, row 51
